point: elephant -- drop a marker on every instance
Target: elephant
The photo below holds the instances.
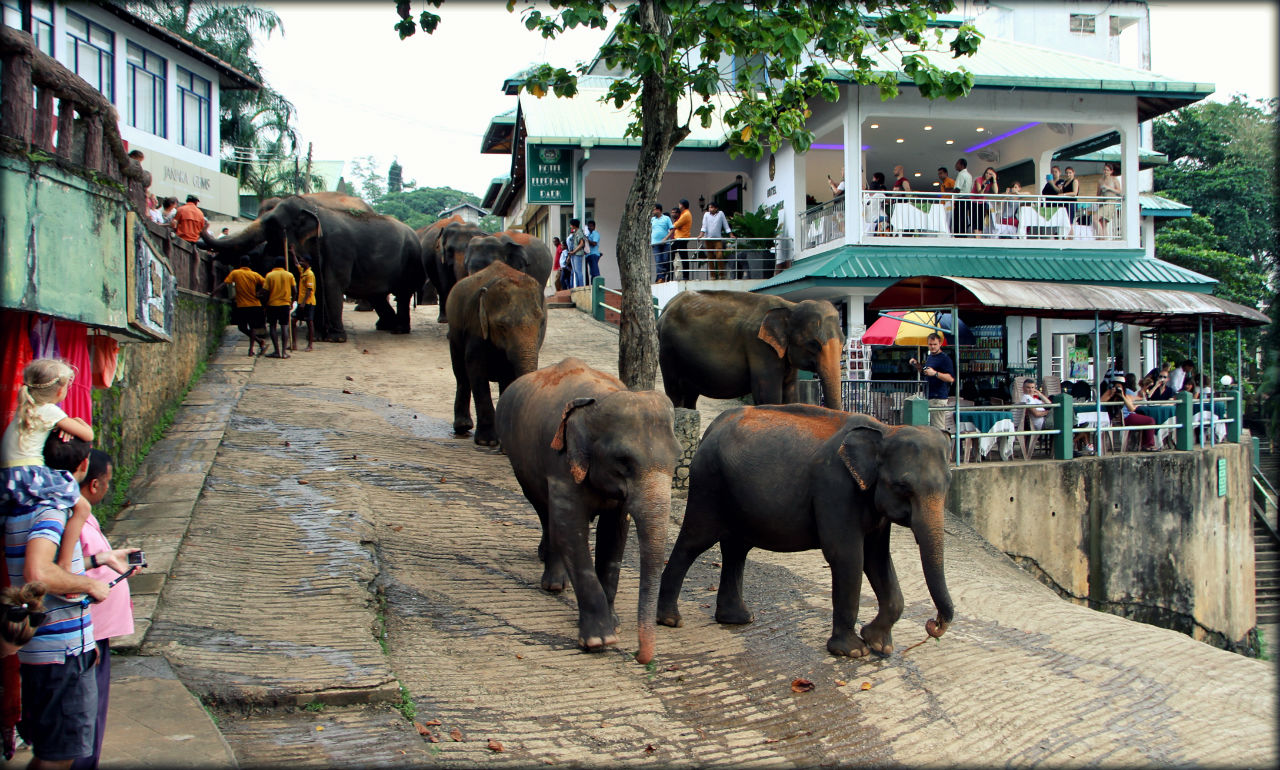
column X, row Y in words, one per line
column 796, row 477
column 522, row 251
column 444, row 246
column 364, row 255
column 330, row 200
column 726, row 344
column 583, row 446
column 497, row 321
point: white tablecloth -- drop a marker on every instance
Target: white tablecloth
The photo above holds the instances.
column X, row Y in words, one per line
column 906, row 216
column 1029, row 216
column 1219, row 427
column 985, row 443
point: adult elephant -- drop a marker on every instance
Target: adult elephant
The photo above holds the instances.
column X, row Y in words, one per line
column 497, row 322
column 361, row 254
column 797, row 477
column 522, row 251
column 726, row 344
column 444, row 247
column 330, row 200
column 583, row 446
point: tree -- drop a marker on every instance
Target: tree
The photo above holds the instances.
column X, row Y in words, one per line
column 422, row 206
column 395, row 177
column 670, row 53
column 1216, row 152
column 366, row 179
column 1192, row 243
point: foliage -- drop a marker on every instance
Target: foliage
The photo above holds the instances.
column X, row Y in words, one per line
column 761, row 223
column 1217, row 152
column 1192, row 243
column 256, row 127
column 395, row 177
column 760, row 63
column 422, row 206
column 367, row 179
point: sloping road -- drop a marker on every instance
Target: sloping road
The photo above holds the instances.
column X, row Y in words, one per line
column 339, row 505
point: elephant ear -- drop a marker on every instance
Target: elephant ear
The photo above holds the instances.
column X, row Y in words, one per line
column 515, row 256
column 484, row 316
column 306, row 228
column 773, row 329
column 573, row 439
column 860, row 453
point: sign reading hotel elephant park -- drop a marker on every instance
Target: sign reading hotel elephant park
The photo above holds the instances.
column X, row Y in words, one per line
column 548, row 175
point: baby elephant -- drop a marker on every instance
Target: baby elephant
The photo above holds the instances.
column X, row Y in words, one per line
column 797, row 477
column 497, row 322
column 583, row 446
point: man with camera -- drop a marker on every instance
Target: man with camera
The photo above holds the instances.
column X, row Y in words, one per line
column 1118, row 391
column 939, row 373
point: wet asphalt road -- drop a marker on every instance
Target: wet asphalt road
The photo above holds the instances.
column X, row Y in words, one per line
column 349, row 556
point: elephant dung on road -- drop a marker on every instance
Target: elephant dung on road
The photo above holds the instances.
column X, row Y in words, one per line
column 522, row 251
column 726, row 344
column 582, row 447
column 497, row 322
column 444, row 247
column 361, row 254
column 798, row 477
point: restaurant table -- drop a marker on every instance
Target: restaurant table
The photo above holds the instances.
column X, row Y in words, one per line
column 1054, row 216
column 990, row 422
column 1219, row 408
column 1160, row 413
column 908, row 216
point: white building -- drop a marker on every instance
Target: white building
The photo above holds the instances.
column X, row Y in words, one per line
column 165, row 90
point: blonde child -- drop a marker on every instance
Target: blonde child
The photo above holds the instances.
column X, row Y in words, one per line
column 25, row 481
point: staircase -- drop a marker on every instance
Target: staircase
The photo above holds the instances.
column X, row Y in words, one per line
column 1266, row 545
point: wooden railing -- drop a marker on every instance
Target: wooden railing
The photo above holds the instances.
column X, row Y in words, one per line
column 83, row 130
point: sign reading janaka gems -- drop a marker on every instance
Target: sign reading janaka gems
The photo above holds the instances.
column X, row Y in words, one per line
column 549, row 176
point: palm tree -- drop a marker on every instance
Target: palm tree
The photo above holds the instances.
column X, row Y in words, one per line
column 256, row 127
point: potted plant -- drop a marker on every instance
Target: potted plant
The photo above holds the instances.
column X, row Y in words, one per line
column 756, row 231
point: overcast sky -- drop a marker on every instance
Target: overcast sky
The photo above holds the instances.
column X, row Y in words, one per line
column 427, row 100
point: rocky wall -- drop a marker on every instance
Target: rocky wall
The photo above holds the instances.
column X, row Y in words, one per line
column 1142, row 536
column 151, row 377
column 689, row 434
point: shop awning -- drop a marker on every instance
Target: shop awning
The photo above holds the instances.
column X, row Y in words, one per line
column 1165, row 309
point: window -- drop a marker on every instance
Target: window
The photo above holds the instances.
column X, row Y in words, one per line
column 1083, row 23
column 147, row 95
column 195, row 96
column 41, row 21
column 91, row 52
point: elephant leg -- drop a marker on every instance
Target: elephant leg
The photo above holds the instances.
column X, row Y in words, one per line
column 884, row 581
column 845, row 560
column 404, row 303
column 446, row 286
column 766, row 388
column 462, row 424
column 791, row 391
column 730, row 608
column 331, row 301
column 697, row 534
column 611, row 542
column 486, row 430
column 386, row 316
column 595, row 619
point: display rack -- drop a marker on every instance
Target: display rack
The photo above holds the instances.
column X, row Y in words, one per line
column 857, row 356
column 986, row 355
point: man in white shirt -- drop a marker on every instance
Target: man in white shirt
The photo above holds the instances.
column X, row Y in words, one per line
column 962, row 212
column 714, row 228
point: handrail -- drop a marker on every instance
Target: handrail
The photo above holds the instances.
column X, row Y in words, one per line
column 599, row 306
column 1260, row 514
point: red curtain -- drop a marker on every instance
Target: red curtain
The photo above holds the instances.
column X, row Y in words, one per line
column 15, row 354
column 73, row 347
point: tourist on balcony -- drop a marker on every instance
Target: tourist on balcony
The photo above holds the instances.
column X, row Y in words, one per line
column 577, row 253
column 945, row 183
column 153, row 209
column 1109, row 186
column 1032, row 395
column 837, row 188
column 900, row 183
column 876, row 216
column 962, row 213
column 713, row 231
column 1051, row 182
column 168, row 208
column 1069, row 187
column 679, row 236
column 1180, row 374
column 659, row 228
column 1118, row 391
column 983, row 213
column 189, row 221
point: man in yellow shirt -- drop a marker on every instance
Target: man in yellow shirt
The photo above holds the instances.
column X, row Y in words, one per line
column 247, row 314
column 306, row 304
column 280, row 285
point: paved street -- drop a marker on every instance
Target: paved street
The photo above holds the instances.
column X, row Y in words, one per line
column 346, row 546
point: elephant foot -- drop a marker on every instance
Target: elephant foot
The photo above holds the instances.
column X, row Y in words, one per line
column 400, row 330
column 734, row 615
column 594, row 639
column 670, row 617
column 487, row 438
column 879, row 639
column 383, row 326
column 463, row 427
column 553, row 583
column 363, row 306
column 441, row 319
column 847, row 644
column 335, row 338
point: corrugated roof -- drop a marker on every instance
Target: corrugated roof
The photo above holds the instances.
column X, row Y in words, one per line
column 880, row 266
column 1006, row 64
column 586, row 120
column 1169, row 309
column 1155, row 206
column 1146, row 158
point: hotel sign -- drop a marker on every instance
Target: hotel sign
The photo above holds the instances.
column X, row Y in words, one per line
column 549, row 175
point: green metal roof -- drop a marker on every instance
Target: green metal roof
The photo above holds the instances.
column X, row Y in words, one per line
column 875, row 266
column 1155, row 206
column 1006, row 64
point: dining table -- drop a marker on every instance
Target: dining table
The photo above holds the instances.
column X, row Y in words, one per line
column 1052, row 215
column 909, row 216
column 989, row 421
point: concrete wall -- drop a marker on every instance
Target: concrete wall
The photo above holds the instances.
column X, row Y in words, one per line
column 1139, row 536
column 152, row 376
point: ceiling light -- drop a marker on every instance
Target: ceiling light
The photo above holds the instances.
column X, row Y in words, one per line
column 928, row 128
column 935, row 184
column 875, row 125
column 900, row 141
column 951, row 141
column 917, row 173
column 981, row 129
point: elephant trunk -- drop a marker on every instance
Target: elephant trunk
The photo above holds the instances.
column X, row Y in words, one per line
column 926, row 524
column 650, row 511
column 829, row 373
column 524, row 360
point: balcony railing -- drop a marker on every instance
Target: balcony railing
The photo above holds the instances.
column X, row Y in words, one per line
column 892, row 215
column 706, row 259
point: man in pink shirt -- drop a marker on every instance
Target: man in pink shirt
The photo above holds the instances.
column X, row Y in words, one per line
column 114, row 615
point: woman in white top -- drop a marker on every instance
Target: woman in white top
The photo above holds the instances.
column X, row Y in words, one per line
column 1110, row 186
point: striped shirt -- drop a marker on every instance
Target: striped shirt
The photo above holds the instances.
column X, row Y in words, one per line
column 69, row 629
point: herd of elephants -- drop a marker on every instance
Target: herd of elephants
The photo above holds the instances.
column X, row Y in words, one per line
column 780, row 475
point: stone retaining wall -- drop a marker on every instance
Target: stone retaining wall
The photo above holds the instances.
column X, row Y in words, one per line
column 151, row 377
column 689, row 434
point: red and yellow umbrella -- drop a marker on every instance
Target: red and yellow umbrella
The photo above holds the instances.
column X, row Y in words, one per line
column 912, row 328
